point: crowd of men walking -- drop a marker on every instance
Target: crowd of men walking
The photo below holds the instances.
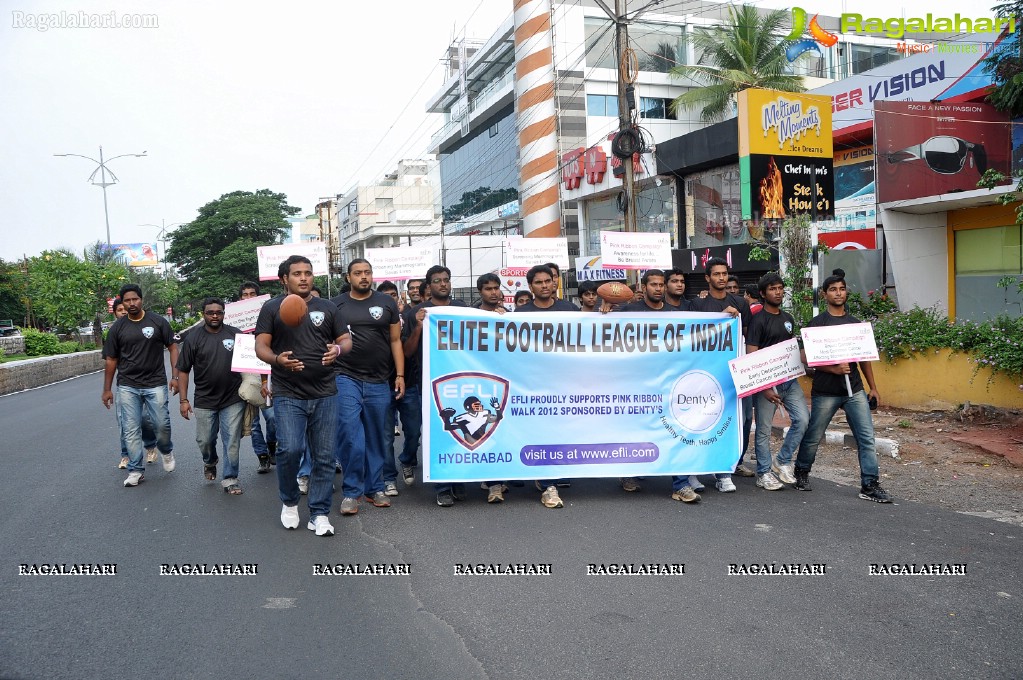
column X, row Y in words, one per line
column 340, row 383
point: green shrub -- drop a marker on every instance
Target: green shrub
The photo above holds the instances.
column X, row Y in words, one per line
column 39, row 344
column 995, row 344
column 69, row 347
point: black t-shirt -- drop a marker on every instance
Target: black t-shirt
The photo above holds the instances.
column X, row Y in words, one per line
column 414, row 363
column 558, row 306
column 712, row 304
column 768, row 329
column 308, row 341
column 832, row 384
column 642, row 306
column 209, row 355
column 370, row 322
column 138, row 347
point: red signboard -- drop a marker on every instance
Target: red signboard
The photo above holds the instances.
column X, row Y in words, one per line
column 595, row 165
column 572, row 168
column 855, row 239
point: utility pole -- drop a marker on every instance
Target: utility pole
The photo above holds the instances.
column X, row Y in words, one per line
column 627, row 70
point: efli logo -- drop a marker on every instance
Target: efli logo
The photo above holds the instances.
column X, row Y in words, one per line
column 460, row 400
column 818, row 36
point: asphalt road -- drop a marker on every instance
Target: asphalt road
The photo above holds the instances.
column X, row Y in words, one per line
column 63, row 502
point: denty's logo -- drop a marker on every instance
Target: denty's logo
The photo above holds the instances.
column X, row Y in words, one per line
column 818, row 36
column 460, row 399
column 697, row 401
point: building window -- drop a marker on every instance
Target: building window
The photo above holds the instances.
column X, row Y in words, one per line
column 492, row 130
column 659, row 47
column 656, row 108
column 602, row 105
column 865, row 57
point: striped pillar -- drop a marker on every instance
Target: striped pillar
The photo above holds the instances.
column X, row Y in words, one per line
column 537, row 119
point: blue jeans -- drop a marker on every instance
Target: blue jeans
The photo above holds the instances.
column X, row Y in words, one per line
column 365, row 418
column 857, row 413
column 258, row 442
column 152, row 401
column 228, row 421
column 795, row 403
column 305, row 467
column 148, row 432
column 409, row 410
column 302, row 421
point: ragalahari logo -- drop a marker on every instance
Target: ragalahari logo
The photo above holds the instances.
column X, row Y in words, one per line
column 818, row 36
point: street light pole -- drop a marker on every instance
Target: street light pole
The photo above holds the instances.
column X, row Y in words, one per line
column 103, row 170
column 162, row 238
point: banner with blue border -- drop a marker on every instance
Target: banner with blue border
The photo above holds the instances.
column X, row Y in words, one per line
column 572, row 395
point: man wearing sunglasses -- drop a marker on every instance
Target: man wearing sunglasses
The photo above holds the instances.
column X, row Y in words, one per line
column 218, row 407
column 438, row 289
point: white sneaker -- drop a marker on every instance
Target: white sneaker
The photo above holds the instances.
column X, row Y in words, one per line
column 123, row 465
column 786, row 473
column 134, row 477
column 768, row 482
column 320, row 524
column 168, row 462
column 390, row 489
column 694, row 481
column 303, row 485
column 151, row 454
column 289, row 516
column 725, row 485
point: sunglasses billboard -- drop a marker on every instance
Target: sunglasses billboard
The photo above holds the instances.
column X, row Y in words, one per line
column 943, row 154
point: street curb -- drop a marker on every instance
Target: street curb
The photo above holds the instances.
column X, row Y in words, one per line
column 884, row 446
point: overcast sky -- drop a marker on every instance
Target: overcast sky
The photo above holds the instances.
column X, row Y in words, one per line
column 223, row 96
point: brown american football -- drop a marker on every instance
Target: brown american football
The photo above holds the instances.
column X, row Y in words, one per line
column 615, row 292
column 293, row 308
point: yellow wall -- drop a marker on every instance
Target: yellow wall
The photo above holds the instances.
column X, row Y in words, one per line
column 939, row 382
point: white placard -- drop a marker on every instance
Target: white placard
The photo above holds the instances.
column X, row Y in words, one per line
column 244, row 359
column 270, row 258
column 400, row 264
column 244, row 313
column 529, row 252
column 839, row 344
column 635, row 250
column 766, row 367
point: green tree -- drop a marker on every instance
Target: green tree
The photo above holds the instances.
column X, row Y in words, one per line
column 12, row 292
column 478, row 200
column 1005, row 65
column 217, row 250
column 67, row 291
column 744, row 52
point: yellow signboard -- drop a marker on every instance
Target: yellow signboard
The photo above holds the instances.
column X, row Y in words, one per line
column 786, row 123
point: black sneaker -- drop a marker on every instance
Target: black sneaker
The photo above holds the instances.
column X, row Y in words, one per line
column 802, row 480
column 271, row 449
column 264, row 464
column 445, row 499
column 874, row 492
column 458, row 491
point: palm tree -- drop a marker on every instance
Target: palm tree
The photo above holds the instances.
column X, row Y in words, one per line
column 743, row 53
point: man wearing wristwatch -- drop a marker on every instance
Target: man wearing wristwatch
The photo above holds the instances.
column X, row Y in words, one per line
column 134, row 351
